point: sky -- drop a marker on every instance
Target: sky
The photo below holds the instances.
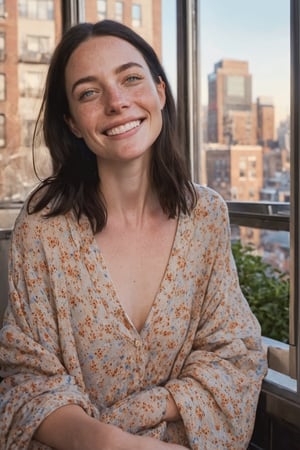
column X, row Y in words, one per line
column 257, row 31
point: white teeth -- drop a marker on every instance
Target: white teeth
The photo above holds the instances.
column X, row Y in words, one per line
column 123, row 128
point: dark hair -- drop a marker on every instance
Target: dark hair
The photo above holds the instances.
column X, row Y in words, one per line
column 74, row 184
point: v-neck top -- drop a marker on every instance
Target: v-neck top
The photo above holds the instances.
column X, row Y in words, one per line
column 67, row 339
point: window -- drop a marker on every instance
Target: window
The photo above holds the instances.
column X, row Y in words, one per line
column 36, row 9
column 136, row 15
column 245, row 92
column 2, row 130
column 2, row 46
column 36, row 49
column 252, row 167
column 2, row 8
column 2, row 86
column 28, row 129
column 243, row 167
column 119, row 11
column 101, row 9
column 236, row 86
column 32, row 85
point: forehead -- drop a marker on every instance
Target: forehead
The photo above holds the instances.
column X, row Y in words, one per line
column 106, row 52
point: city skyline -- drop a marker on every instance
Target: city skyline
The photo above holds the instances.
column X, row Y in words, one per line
column 257, row 32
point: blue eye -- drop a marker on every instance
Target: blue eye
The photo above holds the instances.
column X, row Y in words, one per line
column 133, row 78
column 86, row 94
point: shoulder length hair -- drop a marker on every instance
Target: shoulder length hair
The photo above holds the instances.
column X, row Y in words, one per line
column 74, row 184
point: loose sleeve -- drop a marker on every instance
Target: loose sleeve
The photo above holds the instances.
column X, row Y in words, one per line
column 35, row 378
column 218, row 385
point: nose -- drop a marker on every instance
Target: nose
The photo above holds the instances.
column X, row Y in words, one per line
column 115, row 100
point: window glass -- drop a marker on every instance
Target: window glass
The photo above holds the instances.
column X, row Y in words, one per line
column 119, row 11
column 2, row 130
column 2, row 86
column 246, row 85
column 136, row 15
column 101, row 9
column 2, row 46
column 245, row 90
column 2, row 8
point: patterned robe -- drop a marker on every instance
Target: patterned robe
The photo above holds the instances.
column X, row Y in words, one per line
column 67, row 340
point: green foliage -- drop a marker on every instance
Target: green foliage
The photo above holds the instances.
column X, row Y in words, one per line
column 266, row 289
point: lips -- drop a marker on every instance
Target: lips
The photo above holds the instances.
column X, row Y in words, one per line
column 123, row 128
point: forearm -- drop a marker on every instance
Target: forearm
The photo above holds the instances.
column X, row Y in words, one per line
column 70, row 428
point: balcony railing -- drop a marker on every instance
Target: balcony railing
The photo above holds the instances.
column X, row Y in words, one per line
column 266, row 215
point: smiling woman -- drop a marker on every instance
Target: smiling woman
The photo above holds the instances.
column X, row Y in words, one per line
column 126, row 327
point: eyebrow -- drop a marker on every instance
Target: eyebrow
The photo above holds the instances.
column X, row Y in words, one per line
column 118, row 70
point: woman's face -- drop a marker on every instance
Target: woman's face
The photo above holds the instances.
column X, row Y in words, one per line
column 115, row 105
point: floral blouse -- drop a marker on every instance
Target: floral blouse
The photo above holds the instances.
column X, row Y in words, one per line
column 67, row 340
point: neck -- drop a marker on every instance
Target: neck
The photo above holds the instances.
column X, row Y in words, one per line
column 129, row 197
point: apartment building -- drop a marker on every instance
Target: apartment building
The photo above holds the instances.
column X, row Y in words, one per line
column 231, row 114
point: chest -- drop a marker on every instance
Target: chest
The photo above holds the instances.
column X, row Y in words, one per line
column 136, row 261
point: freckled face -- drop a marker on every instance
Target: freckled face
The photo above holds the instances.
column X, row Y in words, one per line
column 115, row 105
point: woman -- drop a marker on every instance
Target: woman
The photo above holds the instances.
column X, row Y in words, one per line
column 126, row 327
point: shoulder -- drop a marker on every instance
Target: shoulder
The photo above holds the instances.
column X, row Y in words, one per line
column 209, row 202
column 32, row 229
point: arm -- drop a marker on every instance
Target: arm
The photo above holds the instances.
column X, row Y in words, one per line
column 70, row 428
column 36, row 381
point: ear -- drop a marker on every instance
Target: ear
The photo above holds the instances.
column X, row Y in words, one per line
column 161, row 89
column 71, row 124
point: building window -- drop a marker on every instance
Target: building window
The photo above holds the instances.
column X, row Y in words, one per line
column 2, row 130
column 235, row 86
column 32, row 84
column 243, row 167
column 36, row 49
column 2, row 46
column 252, row 167
column 28, row 130
column 136, row 15
column 36, row 9
column 119, row 11
column 2, row 86
column 101, row 9
column 2, row 8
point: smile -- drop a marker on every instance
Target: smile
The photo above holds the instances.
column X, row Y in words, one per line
column 123, row 128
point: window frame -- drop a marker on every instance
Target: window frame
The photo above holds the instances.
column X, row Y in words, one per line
column 189, row 115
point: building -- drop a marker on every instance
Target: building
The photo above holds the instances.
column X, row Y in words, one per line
column 265, row 121
column 235, row 171
column 231, row 114
column 29, row 31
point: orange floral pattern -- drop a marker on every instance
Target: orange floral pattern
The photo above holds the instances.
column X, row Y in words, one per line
column 66, row 338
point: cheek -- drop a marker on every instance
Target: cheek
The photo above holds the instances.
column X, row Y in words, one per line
column 83, row 117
